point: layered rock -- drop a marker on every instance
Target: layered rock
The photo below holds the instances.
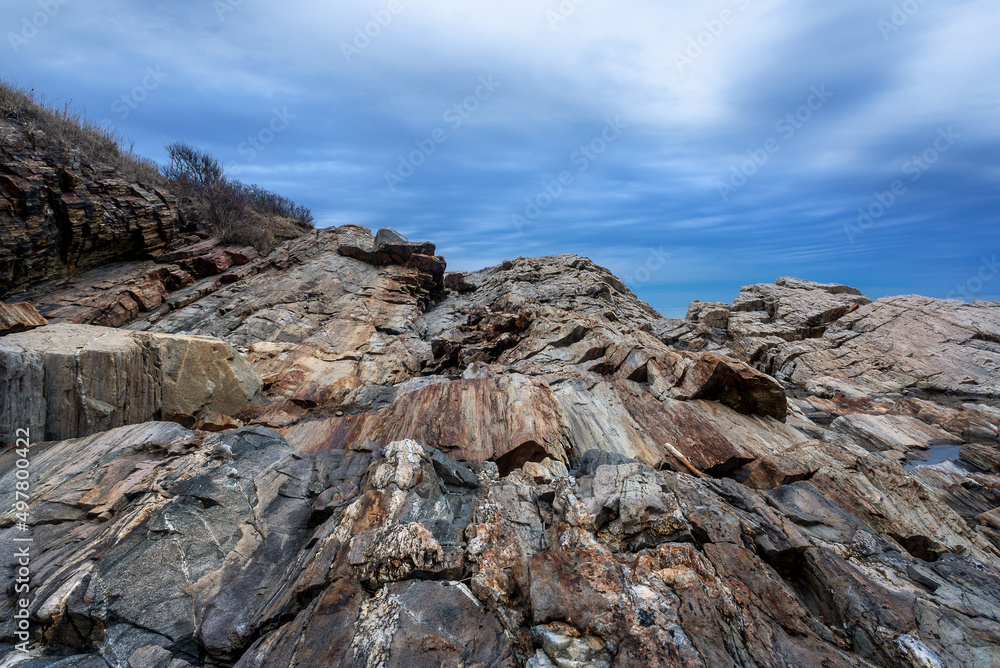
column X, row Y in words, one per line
column 161, row 546
column 521, row 466
column 59, row 215
column 64, row 381
column 831, row 336
column 900, row 343
column 19, row 317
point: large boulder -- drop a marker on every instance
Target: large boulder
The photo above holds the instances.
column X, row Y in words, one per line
column 65, row 381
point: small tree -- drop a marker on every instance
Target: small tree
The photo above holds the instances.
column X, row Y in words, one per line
column 193, row 170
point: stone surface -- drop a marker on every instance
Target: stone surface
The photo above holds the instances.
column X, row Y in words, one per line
column 167, row 545
column 64, row 381
column 19, row 317
column 519, row 466
column 59, row 216
column 710, row 314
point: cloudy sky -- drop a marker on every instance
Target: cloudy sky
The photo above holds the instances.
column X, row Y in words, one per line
column 689, row 147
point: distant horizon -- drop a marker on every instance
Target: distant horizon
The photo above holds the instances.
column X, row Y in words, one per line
column 690, row 150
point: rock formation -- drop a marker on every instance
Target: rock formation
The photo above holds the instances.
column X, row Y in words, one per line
column 59, row 215
column 520, row 466
column 64, row 381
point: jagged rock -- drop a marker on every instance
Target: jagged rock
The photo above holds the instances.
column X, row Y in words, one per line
column 19, row 317
column 58, row 217
column 709, row 314
column 791, row 309
column 906, row 342
column 64, row 381
column 238, row 549
column 523, row 465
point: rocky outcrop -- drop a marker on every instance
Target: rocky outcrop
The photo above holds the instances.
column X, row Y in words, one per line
column 905, row 343
column 162, row 546
column 830, row 336
column 520, row 466
column 59, row 215
column 791, row 310
column 64, row 381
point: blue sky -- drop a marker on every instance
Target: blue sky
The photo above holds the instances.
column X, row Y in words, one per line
column 689, row 147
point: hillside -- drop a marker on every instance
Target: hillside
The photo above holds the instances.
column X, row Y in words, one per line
column 73, row 198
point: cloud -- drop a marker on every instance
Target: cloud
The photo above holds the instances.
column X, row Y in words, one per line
column 702, row 88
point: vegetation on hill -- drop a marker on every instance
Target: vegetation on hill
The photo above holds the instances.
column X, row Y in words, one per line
column 236, row 212
column 62, row 128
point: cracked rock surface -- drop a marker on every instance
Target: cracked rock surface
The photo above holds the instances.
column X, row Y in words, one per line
column 520, row 466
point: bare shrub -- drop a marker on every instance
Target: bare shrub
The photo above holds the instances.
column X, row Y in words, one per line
column 235, row 212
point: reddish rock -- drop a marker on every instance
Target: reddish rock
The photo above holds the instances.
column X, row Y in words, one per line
column 210, row 265
column 19, row 317
column 148, row 295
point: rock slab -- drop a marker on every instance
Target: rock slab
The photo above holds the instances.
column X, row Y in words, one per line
column 65, row 381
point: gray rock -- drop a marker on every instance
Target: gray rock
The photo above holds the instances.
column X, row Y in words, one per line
column 63, row 381
column 388, row 235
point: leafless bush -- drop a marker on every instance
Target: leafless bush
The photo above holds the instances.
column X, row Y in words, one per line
column 237, row 213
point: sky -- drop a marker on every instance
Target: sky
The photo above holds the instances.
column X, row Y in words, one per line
column 691, row 148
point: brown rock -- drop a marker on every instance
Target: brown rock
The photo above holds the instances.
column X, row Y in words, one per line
column 19, row 317
column 58, row 218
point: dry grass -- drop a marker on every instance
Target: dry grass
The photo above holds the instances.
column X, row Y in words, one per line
column 238, row 213
column 64, row 129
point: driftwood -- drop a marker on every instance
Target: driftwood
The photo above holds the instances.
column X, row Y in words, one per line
column 679, row 456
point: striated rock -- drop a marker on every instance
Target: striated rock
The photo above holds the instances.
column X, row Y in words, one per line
column 19, row 317
column 210, row 549
column 59, row 216
column 63, row 381
column 891, row 432
column 520, row 466
column 906, row 343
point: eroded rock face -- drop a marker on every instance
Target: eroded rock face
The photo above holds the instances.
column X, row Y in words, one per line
column 63, row 381
column 58, row 216
column 186, row 548
column 520, row 466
